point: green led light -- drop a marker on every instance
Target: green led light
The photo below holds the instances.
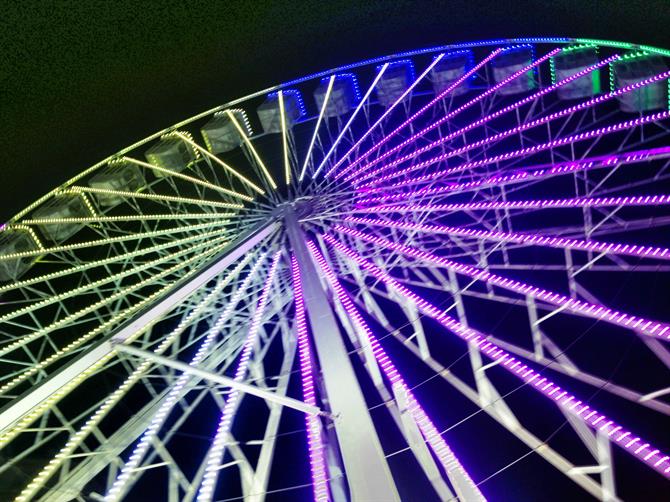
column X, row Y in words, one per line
column 626, row 57
column 608, row 43
column 595, row 82
column 595, row 75
column 656, row 50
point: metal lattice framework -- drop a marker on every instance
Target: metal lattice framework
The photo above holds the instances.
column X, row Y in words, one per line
column 455, row 237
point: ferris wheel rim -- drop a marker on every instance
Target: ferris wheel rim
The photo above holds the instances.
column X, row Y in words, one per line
column 381, row 59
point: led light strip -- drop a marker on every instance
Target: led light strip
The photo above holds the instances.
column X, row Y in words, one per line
column 54, row 298
column 562, row 113
column 77, row 438
column 568, row 50
column 430, row 433
column 190, row 179
column 390, row 135
column 636, row 446
column 253, row 151
column 30, row 417
column 315, row 445
column 603, row 131
column 482, row 43
column 479, row 122
column 215, row 455
column 575, row 202
column 143, row 217
column 166, row 198
column 527, row 239
column 106, row 261
column 322, row 113
column 216, row 159
column 359, row 107
column 118, row 487
column 428, row 50
column 529, row 173
column 474, row 100
column 626, row 57
column 110, row 240
column 23, row 226
column 36, row 367
column 638, row 324
column 385, row 114
column 28, row 338
column 284, row 137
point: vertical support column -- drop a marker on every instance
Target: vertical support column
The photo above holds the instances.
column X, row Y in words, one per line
column 367, row 471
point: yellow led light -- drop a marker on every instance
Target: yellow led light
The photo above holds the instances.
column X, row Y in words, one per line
column 36, row 368
column 190, row 179
column 110, row 240
column 111, row 278
column 181, row 135
column 143, row 217
column 284, row 132
column 88, row 204
column 106, row 261
column 77, row 438
column 166, row 198
column 252, row 149
column 225, row 166
column 33, row 235
column 62, row 322
column 76, row 380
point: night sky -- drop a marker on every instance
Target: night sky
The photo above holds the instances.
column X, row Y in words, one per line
column 80, row 80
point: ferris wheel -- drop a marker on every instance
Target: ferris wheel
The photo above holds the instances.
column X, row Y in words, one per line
column 395, row 280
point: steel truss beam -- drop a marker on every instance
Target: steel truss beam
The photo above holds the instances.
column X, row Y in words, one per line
column 367, row 471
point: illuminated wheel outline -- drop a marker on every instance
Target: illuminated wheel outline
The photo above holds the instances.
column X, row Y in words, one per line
column 348, row 203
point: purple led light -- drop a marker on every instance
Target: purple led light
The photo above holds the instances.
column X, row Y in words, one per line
column 632, row 201
column 437, row 99
column 436, row 442
column 644, row 326
column 527, row 174
column 453, row 113
column 621, row 126
column 216, row 452
column 474, row 124
column 527, row 239
column 617, row 434
column 315, row 445
column 384, row 115
column 568, row 111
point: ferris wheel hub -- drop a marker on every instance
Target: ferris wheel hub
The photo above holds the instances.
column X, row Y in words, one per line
column 302, row 207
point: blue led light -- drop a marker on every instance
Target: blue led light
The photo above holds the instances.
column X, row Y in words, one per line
column 428, row 50
column 407, row 63
column 348, row 77
column 469, row 61
column 291, row 92
column 519, row 48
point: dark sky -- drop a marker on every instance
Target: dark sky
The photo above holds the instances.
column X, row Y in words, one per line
column 80, row 80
